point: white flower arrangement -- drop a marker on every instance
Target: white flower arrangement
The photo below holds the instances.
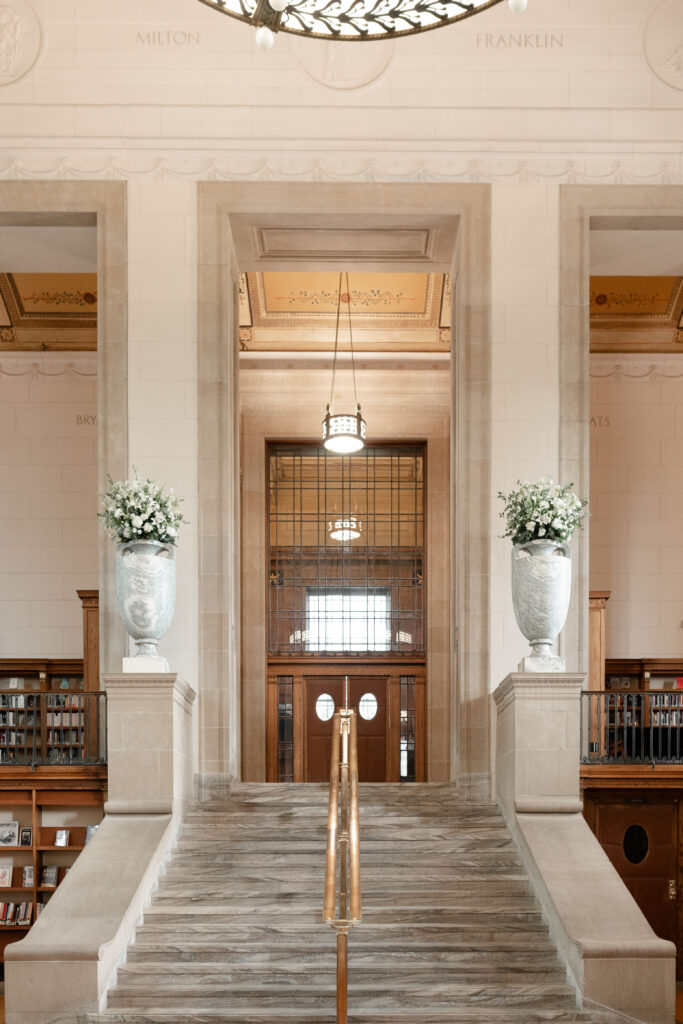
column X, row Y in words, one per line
column 141, row 510
column 542, row 511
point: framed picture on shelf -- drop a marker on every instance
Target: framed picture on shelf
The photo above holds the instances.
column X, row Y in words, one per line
column 9, row 833
column 27, row 876
column 26, row 835
column 62, row 837
column 5, row 876
column 49, row 878
column 89, row 833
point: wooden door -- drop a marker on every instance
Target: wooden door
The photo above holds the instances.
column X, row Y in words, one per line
column 641, row 840
column 373, row 724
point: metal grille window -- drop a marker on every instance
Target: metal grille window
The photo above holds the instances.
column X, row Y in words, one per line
column 346, row 539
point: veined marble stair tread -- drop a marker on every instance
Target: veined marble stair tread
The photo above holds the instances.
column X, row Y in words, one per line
column 450, row 931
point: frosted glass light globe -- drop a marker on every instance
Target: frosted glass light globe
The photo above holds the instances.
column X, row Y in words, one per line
column 278, row 5
column 517, row 6
column 265, row 39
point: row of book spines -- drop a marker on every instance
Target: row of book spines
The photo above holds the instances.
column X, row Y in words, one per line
column 18, row 913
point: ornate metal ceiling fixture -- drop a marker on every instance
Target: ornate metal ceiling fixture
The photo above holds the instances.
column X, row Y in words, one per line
column 343, row 433
column 351, row 19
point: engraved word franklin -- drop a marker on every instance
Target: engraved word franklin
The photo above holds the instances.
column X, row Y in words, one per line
column 519, row 41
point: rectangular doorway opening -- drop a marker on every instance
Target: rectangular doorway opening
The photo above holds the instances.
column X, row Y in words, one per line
column 346, row 596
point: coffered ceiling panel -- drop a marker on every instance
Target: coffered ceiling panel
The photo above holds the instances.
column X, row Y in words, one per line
column 315, row 242
column 48, row 312
column 388, row 312
column 636, row 314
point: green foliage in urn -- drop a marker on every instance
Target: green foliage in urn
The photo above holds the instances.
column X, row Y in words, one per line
column 141, row 510
column 542, row 511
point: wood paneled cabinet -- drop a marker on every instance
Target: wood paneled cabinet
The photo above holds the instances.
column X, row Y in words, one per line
column 654, row 674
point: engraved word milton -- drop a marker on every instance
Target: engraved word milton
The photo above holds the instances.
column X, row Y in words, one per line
column 168, row 37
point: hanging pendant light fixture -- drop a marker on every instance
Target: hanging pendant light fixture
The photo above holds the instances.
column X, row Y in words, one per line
column 345, row 529
column 343, row 433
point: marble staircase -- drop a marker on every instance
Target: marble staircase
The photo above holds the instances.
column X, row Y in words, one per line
column 450, row 931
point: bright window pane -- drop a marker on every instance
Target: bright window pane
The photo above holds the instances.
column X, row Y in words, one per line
column 348, row 621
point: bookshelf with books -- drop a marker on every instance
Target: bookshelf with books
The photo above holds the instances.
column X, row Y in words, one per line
column 43, row 828
column 47, row 716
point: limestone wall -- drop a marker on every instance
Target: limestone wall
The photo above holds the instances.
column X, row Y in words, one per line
column 173, row 86
column 48, row 498
column 637, row 502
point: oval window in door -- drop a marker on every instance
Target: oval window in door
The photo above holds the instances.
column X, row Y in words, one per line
column 367, row 706
column 636, row 844
column 324, row 707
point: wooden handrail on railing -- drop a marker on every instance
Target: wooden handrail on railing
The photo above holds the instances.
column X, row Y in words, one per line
column 343, row 847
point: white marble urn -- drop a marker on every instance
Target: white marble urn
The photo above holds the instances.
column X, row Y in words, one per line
column 541, row 588
column 145, row 588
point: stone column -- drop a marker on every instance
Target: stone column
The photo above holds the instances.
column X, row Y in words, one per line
column 162, row 378
column 150, row 742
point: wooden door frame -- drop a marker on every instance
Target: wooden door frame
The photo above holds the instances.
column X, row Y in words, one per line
column 389, row 667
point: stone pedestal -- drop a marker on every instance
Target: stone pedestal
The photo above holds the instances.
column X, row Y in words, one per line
column 145, row 664
column 149, row 742
column 537, row 742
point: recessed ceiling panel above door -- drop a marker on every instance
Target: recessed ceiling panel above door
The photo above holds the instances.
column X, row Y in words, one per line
column 388, row 312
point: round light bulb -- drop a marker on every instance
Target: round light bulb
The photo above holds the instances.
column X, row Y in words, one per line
column 517, row 6
column 265, row 39
column 278, row 5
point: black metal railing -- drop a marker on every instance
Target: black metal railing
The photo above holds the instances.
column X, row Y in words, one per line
column 632, row 728
column 53, row 728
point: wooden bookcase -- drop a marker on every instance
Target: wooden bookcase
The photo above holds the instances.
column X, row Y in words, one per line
column 69, row 798
column 643, row 673
column 47, row 714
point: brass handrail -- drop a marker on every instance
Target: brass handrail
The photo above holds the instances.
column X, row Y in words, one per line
column 342, row 906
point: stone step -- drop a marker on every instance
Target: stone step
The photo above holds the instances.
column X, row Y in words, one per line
column 403, row 901
column 450, row 929
column 206, row 881
column 488, row 1015
column 381, row 974
column 531, row 957
column 290, row 918
column 364, row 997
column 424, row 941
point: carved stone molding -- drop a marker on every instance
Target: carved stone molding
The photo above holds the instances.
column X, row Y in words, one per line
column 29, row 365
column 584, row 169
column 635, row 370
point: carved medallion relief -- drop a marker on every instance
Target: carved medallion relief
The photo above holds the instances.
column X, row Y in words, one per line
column 663, row 42
column 21, row 40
